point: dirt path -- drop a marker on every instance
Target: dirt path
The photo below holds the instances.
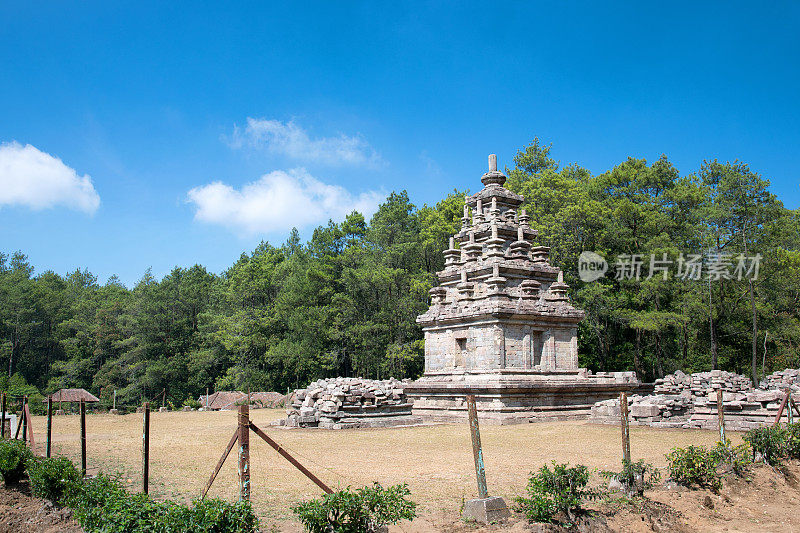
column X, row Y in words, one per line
column 20, row 513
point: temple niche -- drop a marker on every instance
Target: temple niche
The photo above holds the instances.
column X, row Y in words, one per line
column 501, row 325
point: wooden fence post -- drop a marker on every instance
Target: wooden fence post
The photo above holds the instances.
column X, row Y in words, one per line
column 286, row 455
column 49, row 444
column 786, row 397
column 3, row 427
column 24, row 420
column 145, row 447
column 31, row 442
column 721, row 416
column 477, row 451
column 83, row 437
column 626, row 433
column 244, row 453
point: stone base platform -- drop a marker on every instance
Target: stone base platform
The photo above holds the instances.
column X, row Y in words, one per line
column 486, row 510
column 517, row 396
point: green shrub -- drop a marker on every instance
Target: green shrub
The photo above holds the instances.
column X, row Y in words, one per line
column 636, row 477
column 191, row 402
column 363, row 510
column 13, row 457
column 793, row 440
column 694, row 465
column 218, row 515
column 102, row 504
column 555, row 492
column 738, row 458
column 51, row 477
column 770, row 442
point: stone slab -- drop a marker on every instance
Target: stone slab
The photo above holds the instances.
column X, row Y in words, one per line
column 486, row 510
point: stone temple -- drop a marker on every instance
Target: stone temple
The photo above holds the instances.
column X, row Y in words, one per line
column 501, row 325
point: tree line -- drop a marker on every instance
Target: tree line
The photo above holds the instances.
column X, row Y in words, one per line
column 345, row 301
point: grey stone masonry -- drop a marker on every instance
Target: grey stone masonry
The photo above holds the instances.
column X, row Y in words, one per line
column 342, row 403
column 501, row 326
column 690, row 401
column 500, row 304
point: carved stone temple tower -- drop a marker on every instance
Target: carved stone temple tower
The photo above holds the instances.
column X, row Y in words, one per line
column 501, row 325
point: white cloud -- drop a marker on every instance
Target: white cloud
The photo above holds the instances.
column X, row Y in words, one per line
column 278, row 201
column 291, row 140
column 35, row 179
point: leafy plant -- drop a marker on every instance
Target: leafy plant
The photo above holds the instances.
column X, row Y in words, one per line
column 738, row 458
column 555, row 492
column 102, row 504
column 770, row 442
column 636, row 477
column 13, row 456
column 191, row 402
column 51, row 477
column 364, row 510
column 694, row 465
column 793, row 440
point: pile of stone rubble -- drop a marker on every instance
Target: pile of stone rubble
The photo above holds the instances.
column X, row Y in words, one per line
column 690, row 401
column 341, row 403
column 782, row 379
column 700, row 383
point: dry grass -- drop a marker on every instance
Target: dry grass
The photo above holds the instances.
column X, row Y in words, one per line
column 435, row 461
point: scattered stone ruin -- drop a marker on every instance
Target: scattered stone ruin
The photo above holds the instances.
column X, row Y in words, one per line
column 690, row 401
column 501, row 325
column 341, row 403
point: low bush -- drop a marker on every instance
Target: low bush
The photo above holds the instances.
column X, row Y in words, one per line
column 191, row 402
column 363, row 510
column 13, row 457
column 793, row 440
column 694, row 465
column 737, row 458
column 636, row 477
column 555, row 493
column 770, row 442
column 102, row 504
column 51, row 477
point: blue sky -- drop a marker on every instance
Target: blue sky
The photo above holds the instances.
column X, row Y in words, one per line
column 161, row 134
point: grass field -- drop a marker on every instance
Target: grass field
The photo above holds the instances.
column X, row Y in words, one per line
column 435, row 461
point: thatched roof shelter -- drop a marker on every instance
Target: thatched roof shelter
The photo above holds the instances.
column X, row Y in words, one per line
column 72, row 395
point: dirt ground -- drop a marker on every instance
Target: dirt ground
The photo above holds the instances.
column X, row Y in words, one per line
column 435, row 461
column 21, row 513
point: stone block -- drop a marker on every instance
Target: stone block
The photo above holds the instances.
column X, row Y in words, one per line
column 644, row 410
column 486, row 510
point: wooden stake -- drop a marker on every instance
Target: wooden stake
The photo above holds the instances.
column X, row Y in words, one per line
column 626, row 434
column 278, row 448
column 220, row 463
column 24, row 420
column 244, row 453
column 31, row 442
column 721, row 416
column 20, row 424
column 49, row 444
column 146, row 447
column 3, row 427
column 477, row 451
column 786, row 397
column 83, row 437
